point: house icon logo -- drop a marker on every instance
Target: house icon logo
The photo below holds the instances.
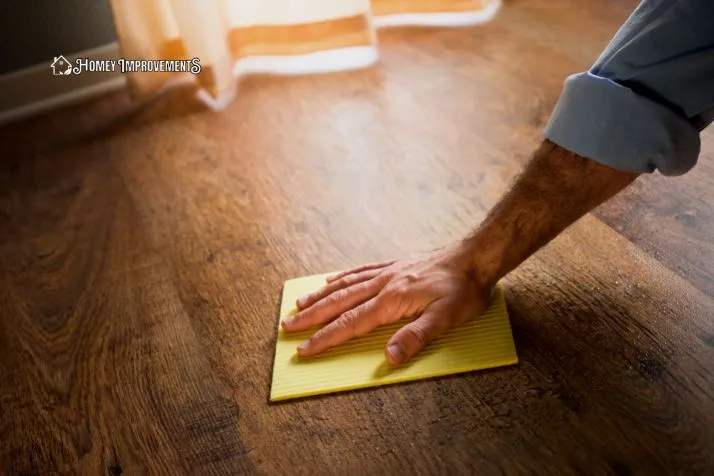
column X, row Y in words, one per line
column 61, row 66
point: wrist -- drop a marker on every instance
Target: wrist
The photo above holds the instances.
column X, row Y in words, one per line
column 484, row 253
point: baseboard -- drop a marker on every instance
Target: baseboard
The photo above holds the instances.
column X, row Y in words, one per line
column 35, row 90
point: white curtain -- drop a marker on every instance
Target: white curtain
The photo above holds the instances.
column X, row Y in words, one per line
column 235, row 37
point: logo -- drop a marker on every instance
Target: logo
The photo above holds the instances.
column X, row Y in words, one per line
column 61, row 66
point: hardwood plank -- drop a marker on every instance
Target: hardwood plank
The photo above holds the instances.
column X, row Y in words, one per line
column 101, row 368
column 141, row 274
column 306, row 175
column 636, row 355
column 614, row 374
column 672, row 218
column 614, row 371
column 560, row 24
column 355, row 151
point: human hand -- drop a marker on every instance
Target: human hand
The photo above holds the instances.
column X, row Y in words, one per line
column 441, row 289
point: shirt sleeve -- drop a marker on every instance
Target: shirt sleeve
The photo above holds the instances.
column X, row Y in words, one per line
column 642, row 105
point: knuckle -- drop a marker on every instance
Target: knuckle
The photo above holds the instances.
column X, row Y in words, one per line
column 343, row 282
column 337, row 296
column 317, row 338
column 384, row 275
column 410, row 278
column 351, row 280
column 300, row 317
column 363, row 287
column 323, row 334
column 348, row 321
column 395, row 290
column 416, row 334
column 350, row 315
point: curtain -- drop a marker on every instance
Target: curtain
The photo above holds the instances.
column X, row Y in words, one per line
column 231, row 38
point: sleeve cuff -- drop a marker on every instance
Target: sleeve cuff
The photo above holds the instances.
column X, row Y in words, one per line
column 601, row 120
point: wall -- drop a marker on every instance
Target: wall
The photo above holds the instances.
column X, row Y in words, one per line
column 35, row 31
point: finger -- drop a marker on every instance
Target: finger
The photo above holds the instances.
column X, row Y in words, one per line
column 334, row 305
column 304, row 302
column 413, row 337
column 359, row 269
column 352, row 323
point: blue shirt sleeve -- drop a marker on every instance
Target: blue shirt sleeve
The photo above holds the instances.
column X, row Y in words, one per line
column 643, row 103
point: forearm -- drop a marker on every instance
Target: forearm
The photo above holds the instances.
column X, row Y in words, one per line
column 555, row 189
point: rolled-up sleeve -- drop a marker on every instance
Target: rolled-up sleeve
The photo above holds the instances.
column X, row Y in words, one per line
column 642, row 105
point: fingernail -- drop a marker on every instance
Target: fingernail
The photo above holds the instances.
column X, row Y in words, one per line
column 395, row 352
column 301, row 301
column 303, row 347
column 287, row 322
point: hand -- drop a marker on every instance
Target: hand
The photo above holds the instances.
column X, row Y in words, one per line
column 441, row 289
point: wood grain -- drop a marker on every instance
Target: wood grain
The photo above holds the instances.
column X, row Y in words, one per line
column 673, row 218
column 636, row 354
column 101, row 368
column 142, row 270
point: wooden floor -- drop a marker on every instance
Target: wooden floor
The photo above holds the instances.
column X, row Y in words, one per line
column 143, row 253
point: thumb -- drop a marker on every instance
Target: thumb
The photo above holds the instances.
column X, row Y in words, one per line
column 413, row 337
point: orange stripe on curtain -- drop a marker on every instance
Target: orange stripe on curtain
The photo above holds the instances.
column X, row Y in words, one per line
column 396, row 7
column 279, row 40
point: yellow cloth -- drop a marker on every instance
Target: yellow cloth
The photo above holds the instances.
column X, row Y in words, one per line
column 484, row 342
